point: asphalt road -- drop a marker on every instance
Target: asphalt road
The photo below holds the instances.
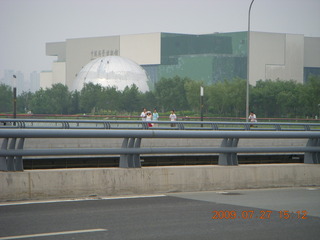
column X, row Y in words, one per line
column 242, row 214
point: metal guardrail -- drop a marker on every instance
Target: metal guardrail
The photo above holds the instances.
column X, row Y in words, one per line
column 12, row 151
column 159, row 125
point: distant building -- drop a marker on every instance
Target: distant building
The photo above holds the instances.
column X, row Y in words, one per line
column 112, row 71
column 34, row 84
column 22, row 84
column 209, row 57
column 18, row 82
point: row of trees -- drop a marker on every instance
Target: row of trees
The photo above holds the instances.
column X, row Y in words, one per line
column 223, row 99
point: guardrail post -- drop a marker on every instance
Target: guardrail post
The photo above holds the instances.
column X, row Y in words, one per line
column 228, row 158
column 21, row 124
column 214, row 126
column 10, row 163
column 136, row 157
column 312, row 157
column 180, row 126
column 123, row 163
column 145, row 125
column 130, row 156
column 106, row 125
column 65, row 125
column 277, row 127
column 18, row 162
column 234, row 156
column 130, row 160
column 318, row 153
column 3, row 159
column 246, row 127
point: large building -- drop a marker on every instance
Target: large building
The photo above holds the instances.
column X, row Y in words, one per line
column 209, row 57
column 112, row 71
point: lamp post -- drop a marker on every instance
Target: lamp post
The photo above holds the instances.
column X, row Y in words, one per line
column 14, row 97
column 248, row 63
column 201, row 104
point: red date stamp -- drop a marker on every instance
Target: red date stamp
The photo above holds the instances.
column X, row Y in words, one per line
column 262, row 214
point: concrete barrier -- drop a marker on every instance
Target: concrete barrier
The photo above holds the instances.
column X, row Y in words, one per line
column 72, row 183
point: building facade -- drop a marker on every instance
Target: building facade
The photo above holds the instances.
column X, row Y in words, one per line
column 208, row 58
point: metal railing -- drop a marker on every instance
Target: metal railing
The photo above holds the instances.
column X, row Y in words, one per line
column 159, row 125
column 12, row 149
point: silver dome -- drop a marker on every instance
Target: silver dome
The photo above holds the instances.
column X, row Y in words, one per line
column 112, row 71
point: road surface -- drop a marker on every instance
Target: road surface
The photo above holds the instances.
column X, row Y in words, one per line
column 287, row 213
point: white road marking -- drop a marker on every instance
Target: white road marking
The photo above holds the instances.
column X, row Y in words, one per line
column 53, row 234
column 77, row 200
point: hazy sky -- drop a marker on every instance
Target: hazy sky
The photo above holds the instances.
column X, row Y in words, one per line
column 26, row 25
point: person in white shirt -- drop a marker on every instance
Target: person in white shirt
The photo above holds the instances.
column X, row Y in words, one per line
column 173, row 117
column 252, row 118
column 143, row 115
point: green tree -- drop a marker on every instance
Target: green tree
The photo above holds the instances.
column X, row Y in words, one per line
column 6, row 98
column 279, row 99
column 236, row 100
column 227, row 98
column 75, row 102
column 287, row 98
column 131, row 100
column 171, row 94
column 192, row 89
column 149, row 101
column 110, row 99
column 217, row 98
column 41, row 103
column 263, row 98
column 24, row 102
column 311, row 96
column 59, row 98
column 90, row 97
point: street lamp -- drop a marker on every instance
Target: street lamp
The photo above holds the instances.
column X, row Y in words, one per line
column 14, row 97
column 201, row 104
column 248, row 63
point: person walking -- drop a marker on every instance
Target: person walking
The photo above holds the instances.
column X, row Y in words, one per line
column 173, row 118
column 155, row 117
column 252, row 118
column 143, row 115
column 149, row 118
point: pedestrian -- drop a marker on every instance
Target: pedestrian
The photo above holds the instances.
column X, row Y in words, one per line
column 173, row 118
column 149, row 118
column 155, row 116
column 252, row 118
column 143, row 115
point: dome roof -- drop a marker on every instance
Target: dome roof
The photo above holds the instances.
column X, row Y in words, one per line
column 112, row 71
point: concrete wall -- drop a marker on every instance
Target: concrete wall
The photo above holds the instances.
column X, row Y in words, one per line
column 311, row 52
column 69, row 183
column 293, row 57
column 80, row 51
column 276, row 56
column 141, row 48
column 59, row 73
column 57, row 49
column 45, row 80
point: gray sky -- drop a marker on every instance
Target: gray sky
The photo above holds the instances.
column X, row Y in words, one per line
column 26, row 25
